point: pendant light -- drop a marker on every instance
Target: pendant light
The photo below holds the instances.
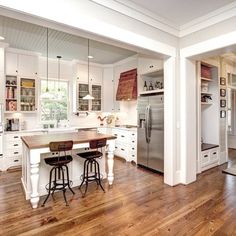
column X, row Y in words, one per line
column 88, row 96
column 47, row 95
column 58, row 73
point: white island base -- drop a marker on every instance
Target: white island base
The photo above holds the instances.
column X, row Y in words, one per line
column 35, row 173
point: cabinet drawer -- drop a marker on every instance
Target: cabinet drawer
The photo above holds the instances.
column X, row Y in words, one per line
column 14, row 145
column 12, row 137
column 214, row 157
column 13, row 152
column 205, row 158
column 13, row 161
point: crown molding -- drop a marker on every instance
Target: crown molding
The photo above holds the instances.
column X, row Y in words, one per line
column 145, row 16
column 141, row 14
column 208, row 20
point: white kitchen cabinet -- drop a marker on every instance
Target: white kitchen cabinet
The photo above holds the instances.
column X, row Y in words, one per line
column 209, row 158
column 126, row 144
column 21, row 64
column 27, row 65
column 96, row 74
column 11, row 63
column 148, row 65
column 12, row 152
column 108, row 88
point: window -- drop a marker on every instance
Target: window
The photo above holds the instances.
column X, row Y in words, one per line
column 55, row 107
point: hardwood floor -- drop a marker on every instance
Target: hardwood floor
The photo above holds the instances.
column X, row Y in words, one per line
column 138, row 204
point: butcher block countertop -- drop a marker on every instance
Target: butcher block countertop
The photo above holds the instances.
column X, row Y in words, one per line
column 42, row 141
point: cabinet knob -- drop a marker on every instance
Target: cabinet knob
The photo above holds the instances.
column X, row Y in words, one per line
column 16, row 71
column 151, row 66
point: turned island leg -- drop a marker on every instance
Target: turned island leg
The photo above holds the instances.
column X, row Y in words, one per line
column 110, row 161
column 34, row 177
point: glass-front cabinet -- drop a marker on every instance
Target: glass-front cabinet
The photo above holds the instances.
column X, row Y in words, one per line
column 86, row 105
column 97, row 101
column 27, row 94
column 20, row 94
column 83, row 105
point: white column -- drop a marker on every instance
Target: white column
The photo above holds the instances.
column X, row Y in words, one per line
column 188, row 120
column 171, row 157
column 34, row 177
column 110, row 160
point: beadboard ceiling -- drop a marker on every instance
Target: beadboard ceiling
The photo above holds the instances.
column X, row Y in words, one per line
column 26, row 36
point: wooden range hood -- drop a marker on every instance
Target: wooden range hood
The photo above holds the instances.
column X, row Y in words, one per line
column 127, row 87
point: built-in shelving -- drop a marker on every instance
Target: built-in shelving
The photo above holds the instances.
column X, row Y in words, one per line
column 152, row 91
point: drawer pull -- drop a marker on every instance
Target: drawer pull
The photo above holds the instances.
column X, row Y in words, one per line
column 122, row 149
column 214, row 153
column 16, row 160
column 1, row 155
column 116, row 147
column 132, row 141
column 205, row 155
column 122, row 136
column 16, row 145
column 151, row 66
column 132, row 155
column 115, row 134
column 133, row 134
column 16, row 136
column 16, row 152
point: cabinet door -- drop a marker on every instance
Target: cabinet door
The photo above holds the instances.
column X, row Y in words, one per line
column 82, row 73
column 82, row 90
column 28, row 95
column 11, row 63
column 148, row 65
column 27, row 65
column 97, row 101
column 96, row 75
column 108, row 85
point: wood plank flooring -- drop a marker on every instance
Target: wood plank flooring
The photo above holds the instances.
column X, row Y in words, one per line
column 138, row 204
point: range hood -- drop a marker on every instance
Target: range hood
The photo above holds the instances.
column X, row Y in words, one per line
column 127, row 87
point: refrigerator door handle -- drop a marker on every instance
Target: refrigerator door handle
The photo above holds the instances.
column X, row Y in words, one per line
column 146, row 124
column 149, row 122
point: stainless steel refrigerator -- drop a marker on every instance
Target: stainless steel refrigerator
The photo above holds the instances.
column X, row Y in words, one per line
column 151, row 132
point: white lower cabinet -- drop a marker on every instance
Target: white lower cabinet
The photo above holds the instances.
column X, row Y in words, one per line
column 209, row 158
column 126, row 144
column 12, row 151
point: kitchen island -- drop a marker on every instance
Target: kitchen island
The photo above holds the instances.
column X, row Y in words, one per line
column 35, row 172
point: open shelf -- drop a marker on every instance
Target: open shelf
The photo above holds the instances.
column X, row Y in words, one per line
column 152, row 91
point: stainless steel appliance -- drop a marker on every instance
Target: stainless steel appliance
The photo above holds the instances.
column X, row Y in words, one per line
column 151, row 132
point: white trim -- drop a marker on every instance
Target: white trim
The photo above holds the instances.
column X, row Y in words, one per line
column 209, row 19
column 145, row 16
column 141, row 14
column 209, row 45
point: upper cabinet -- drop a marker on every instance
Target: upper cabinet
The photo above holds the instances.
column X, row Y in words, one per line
column 21, row 64
column 148, row 65
column 11, row 63
column 21, row 82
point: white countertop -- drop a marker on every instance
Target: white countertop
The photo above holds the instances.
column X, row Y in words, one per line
column 71, row 128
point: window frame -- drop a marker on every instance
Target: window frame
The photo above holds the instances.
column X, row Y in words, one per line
column 40, row 100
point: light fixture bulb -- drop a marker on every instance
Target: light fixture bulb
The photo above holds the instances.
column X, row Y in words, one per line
column 90, row 57
column 2, row 38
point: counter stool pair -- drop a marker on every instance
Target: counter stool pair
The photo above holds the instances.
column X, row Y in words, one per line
column 60, row 162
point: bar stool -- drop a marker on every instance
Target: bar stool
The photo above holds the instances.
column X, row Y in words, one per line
column 91, row 162
column 59, row 164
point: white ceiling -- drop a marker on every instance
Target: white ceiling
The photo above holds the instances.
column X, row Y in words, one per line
column 30, row 37
column 180, row 12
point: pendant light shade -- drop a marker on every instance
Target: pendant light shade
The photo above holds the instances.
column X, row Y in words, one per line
column 88, row 96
